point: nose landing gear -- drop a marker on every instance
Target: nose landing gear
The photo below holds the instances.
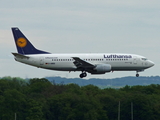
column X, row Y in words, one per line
column 137, row 75
column 83, row 74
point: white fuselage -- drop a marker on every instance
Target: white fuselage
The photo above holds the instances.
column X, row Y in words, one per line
column 64, row 62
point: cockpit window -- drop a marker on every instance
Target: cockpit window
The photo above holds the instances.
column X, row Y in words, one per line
column 144, row 59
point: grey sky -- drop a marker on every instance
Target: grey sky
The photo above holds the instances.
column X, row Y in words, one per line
column 81, row 26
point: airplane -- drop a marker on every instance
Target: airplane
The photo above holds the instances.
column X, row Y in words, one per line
column 95, row 63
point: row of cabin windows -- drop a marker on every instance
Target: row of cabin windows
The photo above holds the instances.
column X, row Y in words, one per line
column 116, row 59
column 62, row 59
column 90, row 59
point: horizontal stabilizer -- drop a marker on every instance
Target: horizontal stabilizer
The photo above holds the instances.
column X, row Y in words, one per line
column 20, row 55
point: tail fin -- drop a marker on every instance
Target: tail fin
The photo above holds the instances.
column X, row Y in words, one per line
column 23, row 44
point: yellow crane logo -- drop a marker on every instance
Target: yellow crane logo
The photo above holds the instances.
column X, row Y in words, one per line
column 21, row 42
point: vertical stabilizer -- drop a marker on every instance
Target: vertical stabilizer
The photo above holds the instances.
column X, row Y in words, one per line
column 23, row 44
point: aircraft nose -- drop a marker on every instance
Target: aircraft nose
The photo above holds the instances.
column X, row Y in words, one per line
column 151, row 63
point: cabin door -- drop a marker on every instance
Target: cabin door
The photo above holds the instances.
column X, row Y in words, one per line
column 41, row 60
column 135, row 61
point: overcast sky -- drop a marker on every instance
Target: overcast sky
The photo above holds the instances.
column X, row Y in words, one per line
column 80, row 26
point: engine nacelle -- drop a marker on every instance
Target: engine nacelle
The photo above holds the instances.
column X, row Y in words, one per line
column 102, row 69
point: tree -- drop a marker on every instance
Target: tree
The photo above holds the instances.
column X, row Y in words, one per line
column 13, row 102
column 34, row 110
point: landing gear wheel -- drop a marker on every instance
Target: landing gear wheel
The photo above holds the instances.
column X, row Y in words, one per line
column 137, row 75
column 83, row 75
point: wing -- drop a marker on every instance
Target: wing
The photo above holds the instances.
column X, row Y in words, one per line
column 79, row 63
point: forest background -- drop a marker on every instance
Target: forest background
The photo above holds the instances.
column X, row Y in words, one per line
column 40, row 99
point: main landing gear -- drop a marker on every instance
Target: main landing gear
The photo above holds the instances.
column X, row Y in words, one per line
column 83, row 74
column 137, row 75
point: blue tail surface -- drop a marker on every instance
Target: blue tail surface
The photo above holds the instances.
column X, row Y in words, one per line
column 23, row 44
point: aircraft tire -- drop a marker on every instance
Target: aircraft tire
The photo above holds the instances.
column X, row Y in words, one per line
column 81, row 75
column 84, row 74
column 137, row 75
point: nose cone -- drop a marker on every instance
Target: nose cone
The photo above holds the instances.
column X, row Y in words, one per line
column 151, row 63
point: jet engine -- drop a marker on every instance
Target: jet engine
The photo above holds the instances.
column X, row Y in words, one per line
column 102, row 69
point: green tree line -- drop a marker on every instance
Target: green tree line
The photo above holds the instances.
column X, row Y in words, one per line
column 39, row 99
